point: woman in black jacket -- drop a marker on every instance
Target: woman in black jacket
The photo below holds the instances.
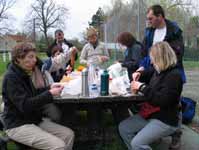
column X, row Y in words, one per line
column 24, row 97
column 132, row 54
column 162, row 87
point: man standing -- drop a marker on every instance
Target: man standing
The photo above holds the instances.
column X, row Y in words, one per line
column 66, row 45
column 161, row 29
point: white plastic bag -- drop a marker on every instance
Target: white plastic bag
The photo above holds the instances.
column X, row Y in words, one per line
column 115, row 70
column 119, row 85
column 72, row 88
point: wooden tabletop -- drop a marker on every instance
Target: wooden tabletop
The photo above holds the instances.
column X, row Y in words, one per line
column 100, row 99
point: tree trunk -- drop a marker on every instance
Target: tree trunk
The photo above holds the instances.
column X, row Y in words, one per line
column 46, row 38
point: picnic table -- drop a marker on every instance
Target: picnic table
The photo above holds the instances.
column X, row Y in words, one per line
column 106, row 102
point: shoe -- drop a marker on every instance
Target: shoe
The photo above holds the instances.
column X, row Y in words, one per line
column 176, row 140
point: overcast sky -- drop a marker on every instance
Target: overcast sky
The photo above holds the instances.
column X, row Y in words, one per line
column 80, row 12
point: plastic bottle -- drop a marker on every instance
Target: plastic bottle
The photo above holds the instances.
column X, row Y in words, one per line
column 104, row 90
column 93, row 91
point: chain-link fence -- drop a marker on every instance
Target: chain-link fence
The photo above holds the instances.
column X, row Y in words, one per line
column 191, row 54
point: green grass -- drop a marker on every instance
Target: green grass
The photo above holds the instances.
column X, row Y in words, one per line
column 191, row 65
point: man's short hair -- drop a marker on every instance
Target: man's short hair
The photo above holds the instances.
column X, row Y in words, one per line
column 157, row 10
column 58, row 31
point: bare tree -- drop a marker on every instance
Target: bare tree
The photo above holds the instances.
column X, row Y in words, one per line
column 5, row 5
column 45, row 14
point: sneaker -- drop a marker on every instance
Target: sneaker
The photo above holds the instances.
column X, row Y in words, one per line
column 176, row 140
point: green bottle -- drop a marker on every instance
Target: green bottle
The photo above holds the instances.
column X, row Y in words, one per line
column 104, row 90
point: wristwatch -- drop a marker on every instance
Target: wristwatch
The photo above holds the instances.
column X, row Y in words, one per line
column 142, row 87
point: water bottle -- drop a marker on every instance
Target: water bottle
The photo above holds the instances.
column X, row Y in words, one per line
column 85, row 88
column 104, row 90
column 93, row 91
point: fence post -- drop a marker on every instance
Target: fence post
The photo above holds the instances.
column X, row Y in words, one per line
column 4, row 56
column 9, row 56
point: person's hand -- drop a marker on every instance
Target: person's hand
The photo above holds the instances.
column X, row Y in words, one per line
column 74, row 50
column 140, row 69
column 56, row 91
column 56, row 84
column 87, row 64
column 135, row 85
column 104, row 58
column 136, row 76
column 68, row 69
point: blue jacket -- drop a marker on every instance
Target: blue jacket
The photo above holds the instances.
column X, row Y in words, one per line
column 173, row 37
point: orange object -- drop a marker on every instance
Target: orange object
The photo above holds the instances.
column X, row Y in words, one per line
column 80, row 68
column 66, row 79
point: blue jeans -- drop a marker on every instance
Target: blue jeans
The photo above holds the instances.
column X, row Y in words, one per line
column 137, row 132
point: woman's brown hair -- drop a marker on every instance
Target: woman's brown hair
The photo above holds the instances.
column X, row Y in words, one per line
column 126, row 39
column 55, row 49
column 21, row 50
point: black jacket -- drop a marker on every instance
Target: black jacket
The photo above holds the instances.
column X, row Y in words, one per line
column 164, row 90
column 132, row 58
column 23, row 103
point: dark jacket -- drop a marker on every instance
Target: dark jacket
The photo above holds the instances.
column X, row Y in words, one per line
column 132, row 58
column 164, row 90
column 173, row 37
column 23, row 103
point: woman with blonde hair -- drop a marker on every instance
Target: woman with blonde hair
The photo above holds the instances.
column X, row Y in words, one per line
column 162, row 87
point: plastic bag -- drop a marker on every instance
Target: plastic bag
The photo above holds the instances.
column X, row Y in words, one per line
column 72, row 88
column 119, row 85
column 115, row 70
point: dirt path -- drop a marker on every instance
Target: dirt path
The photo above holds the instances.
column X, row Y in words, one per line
column 191, row 89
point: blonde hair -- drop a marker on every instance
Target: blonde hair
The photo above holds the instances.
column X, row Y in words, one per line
column 91, row 31
column 163, row 56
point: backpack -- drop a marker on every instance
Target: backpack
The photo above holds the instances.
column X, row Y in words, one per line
column 188, row 109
